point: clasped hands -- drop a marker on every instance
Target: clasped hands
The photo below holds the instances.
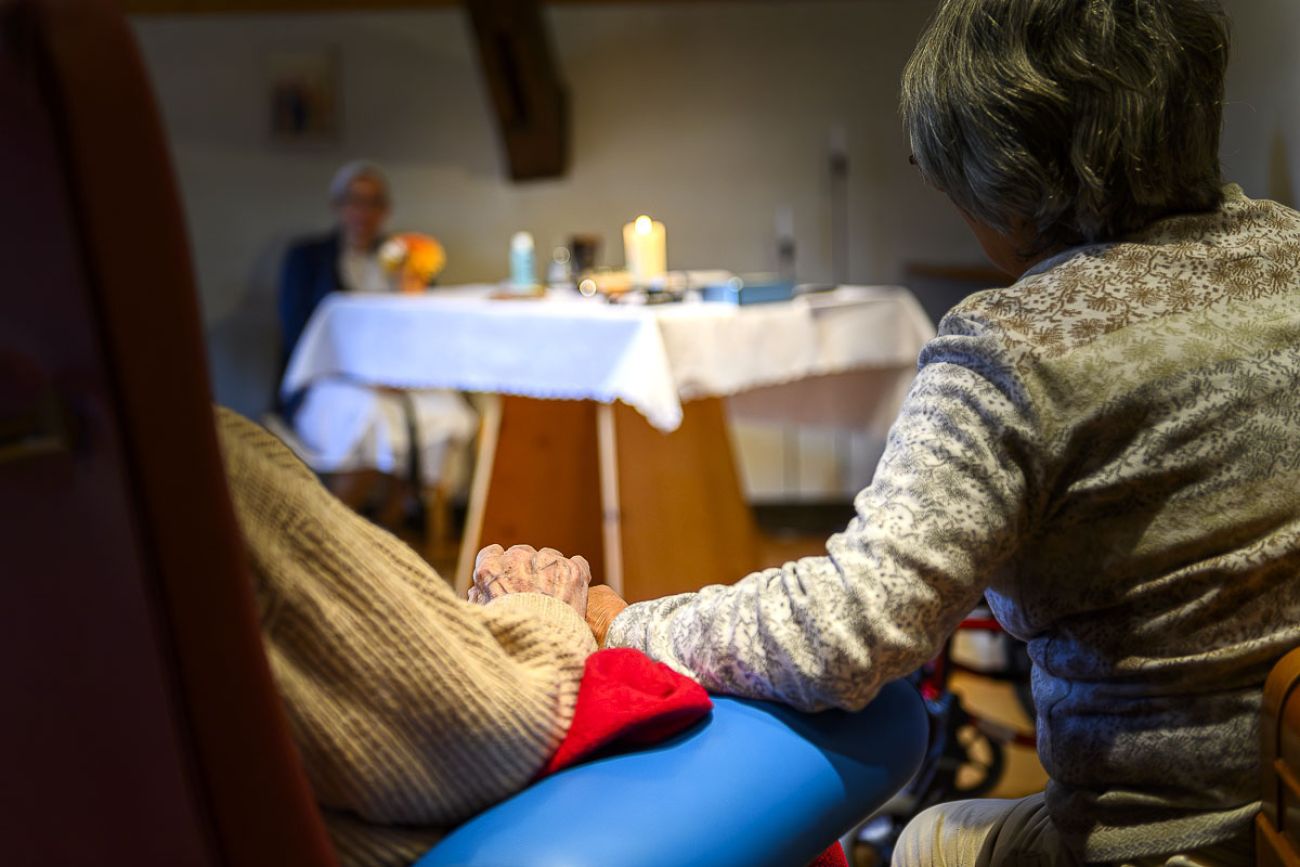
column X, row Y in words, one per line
column 523, row 569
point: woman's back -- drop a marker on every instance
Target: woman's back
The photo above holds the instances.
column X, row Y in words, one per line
column 1160, row 577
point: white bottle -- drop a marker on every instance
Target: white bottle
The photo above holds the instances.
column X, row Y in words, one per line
column 523, row 261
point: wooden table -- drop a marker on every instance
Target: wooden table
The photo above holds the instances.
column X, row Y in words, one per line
column 655, row 513
column 656, row 508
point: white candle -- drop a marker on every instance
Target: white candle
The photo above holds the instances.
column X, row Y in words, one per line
column 645, row 246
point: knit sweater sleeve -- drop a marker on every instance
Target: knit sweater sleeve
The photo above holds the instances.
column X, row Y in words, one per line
column 409, row 705
column 948, row 506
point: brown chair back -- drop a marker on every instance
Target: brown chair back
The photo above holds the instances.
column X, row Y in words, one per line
column 138, row 720
column 1277, row 829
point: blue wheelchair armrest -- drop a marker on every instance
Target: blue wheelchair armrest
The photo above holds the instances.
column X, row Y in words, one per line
column 754, row 784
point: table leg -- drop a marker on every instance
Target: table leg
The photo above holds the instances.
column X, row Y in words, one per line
column 544, row 485
column 489, row 433
column 610, row 512
column 683, row 516
column 655, row 513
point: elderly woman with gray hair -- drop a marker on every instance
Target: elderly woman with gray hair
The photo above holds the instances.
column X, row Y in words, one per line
column 344, row 428
column 1109, row 448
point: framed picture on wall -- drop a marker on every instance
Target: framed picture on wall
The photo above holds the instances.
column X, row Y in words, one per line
column 303, row 95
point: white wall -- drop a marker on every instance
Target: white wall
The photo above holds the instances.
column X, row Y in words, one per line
column 1261, row 136
column 708, row 115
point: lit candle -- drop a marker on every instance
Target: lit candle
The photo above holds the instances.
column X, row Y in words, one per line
column 645, row 246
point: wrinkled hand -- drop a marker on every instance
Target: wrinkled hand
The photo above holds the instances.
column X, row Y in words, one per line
column 603, row 605
column 525, row 570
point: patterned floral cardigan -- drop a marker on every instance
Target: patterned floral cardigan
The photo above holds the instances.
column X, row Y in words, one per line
column 1110, row 449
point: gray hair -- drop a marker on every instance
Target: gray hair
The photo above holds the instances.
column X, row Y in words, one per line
column 1084, row 120
column 354, row 170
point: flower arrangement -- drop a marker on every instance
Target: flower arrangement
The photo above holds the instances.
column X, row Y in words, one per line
column 413, row 260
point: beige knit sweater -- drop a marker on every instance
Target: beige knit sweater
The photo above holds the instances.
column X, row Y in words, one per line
column 412, row 709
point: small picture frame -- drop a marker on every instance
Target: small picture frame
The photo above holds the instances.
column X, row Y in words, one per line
column 303, row 95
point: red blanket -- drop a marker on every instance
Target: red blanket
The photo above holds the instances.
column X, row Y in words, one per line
column 626, row 700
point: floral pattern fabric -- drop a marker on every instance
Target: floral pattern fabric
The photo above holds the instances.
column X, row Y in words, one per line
column 1110, row 449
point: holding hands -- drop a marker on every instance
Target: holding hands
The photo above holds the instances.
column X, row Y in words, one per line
column 523, row 569
column 603, row 605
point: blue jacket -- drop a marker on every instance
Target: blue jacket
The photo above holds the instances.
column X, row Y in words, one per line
column 310, row 272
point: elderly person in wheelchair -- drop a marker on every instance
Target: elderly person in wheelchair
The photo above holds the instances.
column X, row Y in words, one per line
column 1108, row 448
column 394, row 687
column 413, row 710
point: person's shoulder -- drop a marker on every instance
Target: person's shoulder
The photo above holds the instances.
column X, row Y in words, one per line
column 1238, row 222
column 313, row 246
column 1066, row 301
column 1007, row 332
column 236, row 431
column 251, row 449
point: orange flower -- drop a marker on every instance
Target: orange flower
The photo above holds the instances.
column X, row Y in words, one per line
column 414, row 258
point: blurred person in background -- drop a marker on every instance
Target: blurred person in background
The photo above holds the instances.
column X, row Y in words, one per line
column 1108, row 449
column 346, row 259
column 362, row 436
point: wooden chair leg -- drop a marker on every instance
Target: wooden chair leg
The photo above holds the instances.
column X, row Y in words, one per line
column 355, row 488
column 391, row 513
column 441, row 546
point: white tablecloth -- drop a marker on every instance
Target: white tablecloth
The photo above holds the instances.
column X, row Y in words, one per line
column 651, row 358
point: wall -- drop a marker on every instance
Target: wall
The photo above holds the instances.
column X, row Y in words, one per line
column 1261, row 137
column 710, row 116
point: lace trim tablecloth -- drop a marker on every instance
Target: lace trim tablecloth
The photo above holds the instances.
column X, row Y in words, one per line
column 651, row 358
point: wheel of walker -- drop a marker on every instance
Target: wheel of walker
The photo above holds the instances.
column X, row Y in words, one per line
column 983, row 764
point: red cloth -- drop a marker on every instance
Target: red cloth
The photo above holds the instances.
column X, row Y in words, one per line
column 832, row 857
column 628, row 700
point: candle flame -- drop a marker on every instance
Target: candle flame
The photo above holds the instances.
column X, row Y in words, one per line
column 644, row 225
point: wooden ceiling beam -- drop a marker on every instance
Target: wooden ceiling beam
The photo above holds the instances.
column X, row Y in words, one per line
column 237, row 7
column 210, row 7
column 523, row 79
